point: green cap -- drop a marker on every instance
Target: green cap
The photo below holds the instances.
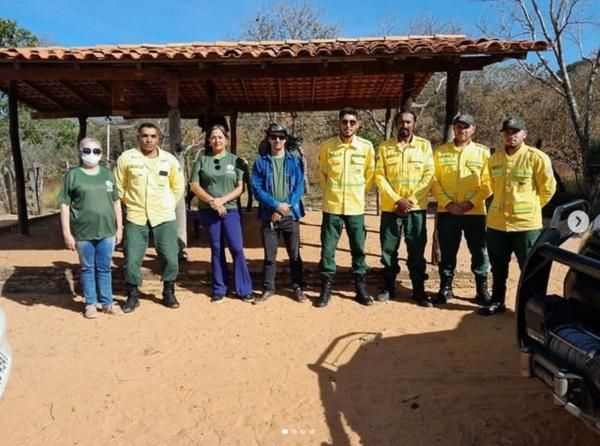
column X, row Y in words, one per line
column 464, row 118
column 514, row 122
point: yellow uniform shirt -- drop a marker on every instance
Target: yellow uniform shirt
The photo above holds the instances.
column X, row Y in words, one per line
column 404, row 171
column 522, row 183
column 461, row 174
column 149, row 187
column 346, row 174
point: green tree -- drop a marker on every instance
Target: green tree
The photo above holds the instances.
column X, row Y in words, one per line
column 12, row 36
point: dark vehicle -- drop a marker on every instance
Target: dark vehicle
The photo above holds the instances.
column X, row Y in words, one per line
column 559, row 336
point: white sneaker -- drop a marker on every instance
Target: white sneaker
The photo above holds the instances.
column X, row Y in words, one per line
column 113, row 310
column 91, row 312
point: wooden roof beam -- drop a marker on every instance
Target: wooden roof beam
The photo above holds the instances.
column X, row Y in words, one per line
column 194, row 111
column 142, row 88
column 47, row 97
column 75, row 92
column 245, row 90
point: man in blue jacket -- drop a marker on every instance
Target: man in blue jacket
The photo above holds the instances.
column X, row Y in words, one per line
column 278, row 185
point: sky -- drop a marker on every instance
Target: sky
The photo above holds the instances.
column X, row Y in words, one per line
column 89, row 23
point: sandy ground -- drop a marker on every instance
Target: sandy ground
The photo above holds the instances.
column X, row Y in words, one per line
column 281, row 373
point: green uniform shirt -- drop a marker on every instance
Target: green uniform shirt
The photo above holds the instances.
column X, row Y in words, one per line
column 218, row 176
column 280, row 189
column 91, row 200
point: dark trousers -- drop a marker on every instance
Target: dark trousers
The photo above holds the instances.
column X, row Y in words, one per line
column 450, row 229
column 221, row 230
column 290, row 230
column 331, row 231
column 501, row 245
column 415, row 236
column 136, row 244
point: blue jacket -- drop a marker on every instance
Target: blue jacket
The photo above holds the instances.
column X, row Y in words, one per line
column 262, row 185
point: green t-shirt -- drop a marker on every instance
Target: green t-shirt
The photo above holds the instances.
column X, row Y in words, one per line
column 218, row 176
column 91, row 199
column 280, row 189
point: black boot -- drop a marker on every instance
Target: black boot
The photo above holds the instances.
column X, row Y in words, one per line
column 362, row 296
column 325, row 295
column 420, row 296
column 389, row 289
column 445, row 293
column 168, row 295
column 497, row 303
column 482, row 296
column 133, row 298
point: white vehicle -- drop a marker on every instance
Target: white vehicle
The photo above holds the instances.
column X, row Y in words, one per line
column 5, row 353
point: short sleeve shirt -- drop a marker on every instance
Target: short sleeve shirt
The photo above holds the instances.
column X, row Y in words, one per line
column 218, row 176
column 91, row 200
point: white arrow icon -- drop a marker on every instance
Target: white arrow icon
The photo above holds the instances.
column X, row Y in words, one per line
column 578, row 222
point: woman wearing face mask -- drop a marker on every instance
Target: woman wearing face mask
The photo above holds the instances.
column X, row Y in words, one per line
column 90, row 215
column 217, row 182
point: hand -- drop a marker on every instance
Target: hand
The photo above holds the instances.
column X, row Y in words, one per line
column 275, row 217
column 70, row 242
column 118, row 236
column 283, row 209
column 221, row 211
column 466, row 206
column 454, row 208
column 216, row 203
column 402, row 206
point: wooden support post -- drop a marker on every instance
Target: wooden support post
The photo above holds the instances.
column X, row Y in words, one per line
column 233, row 131
column 13, row 112
column 177, row 150
column 452, row 102
column 408, row 89
column 82, row 128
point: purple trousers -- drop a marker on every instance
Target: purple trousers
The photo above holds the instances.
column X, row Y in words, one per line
column 221, row 230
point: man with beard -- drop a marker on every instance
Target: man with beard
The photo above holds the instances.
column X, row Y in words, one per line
column 461, row 185
column 150, row 183
column 403, row 174
column 522, row 183
column 346, row 167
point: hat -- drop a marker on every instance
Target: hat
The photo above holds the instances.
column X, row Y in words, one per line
column 514, row 122
column 276, row 128
column 464, row 118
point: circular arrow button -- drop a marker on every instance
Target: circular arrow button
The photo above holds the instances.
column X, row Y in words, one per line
column 578, row 222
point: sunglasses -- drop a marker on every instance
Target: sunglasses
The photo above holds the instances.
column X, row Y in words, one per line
column 87, row 151
column 350, row 122
column 217, row 162
column 277, row 137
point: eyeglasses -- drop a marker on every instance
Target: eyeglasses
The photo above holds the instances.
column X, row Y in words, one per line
column 350, row 122
column 217, row 162
column 87, row 151
column 277, row 137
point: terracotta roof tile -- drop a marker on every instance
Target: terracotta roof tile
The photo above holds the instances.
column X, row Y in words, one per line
column 415, row 45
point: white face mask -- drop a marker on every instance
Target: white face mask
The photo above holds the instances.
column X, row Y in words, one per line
column 90, row 160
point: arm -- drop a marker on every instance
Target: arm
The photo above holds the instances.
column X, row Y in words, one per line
column 121, row 176
column 436, row 187
column 369, row 168
column 323, row 167
column 176, row 180
column 66, row 226
column 119, row 221
column 380, row 178
column 295, row 194
column 544, row 179
column 485, row 188
column 421, row 190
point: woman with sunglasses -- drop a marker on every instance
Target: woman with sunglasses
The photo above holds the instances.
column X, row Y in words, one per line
column 90, row 215
column 217, row 181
